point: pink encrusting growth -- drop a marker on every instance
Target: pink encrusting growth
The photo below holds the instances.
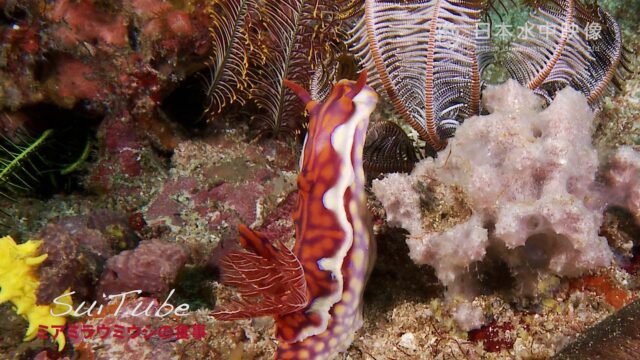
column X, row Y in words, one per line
column 315, row 291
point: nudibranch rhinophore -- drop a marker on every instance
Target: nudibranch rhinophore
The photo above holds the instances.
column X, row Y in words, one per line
column 315, row 291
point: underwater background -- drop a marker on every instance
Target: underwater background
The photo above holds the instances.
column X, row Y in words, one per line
column 218, row 167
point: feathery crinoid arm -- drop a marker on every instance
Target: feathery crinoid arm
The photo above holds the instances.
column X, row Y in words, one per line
column 388, row 148
column 321, row 79
column 297, row 35
column 611, row 64
column 286, row 58
column 551, row 52
column 426, row 57
column 562, row 48
column 231, row 47
column 337, row 62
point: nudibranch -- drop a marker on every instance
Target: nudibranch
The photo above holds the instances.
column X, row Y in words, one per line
column 314, row 291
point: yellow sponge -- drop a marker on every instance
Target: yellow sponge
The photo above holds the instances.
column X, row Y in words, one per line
column 18, row 284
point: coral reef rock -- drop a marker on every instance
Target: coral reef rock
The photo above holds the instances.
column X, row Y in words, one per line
column 141, row 338
column 77, row 248
column 151, row 267
column 528, row 176
column 217, row 183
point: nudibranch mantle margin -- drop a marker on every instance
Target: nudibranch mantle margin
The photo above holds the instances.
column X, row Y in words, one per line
column 314, row 291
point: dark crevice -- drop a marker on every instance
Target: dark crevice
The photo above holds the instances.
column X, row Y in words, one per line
column 58, row 161
column 194, row 286
column 12, row 13
column 44, row 67
column 188, row 103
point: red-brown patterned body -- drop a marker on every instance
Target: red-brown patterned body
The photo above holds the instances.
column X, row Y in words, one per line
column 333, row 242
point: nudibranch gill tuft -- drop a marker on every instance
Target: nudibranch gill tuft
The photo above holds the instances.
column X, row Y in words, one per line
column 314, row 292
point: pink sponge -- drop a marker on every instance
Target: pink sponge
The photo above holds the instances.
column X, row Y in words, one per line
column 529, row 177
column 623, row 177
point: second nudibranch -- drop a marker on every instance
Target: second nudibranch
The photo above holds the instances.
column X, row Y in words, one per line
column 314, row 292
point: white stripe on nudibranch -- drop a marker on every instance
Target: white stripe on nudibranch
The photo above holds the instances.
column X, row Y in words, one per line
column 342, row 141
column 304, row 145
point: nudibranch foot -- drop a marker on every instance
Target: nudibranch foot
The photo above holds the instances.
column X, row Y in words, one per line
column 267, row 275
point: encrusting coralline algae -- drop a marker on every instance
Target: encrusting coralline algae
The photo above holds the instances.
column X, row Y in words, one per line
column 519, row 183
